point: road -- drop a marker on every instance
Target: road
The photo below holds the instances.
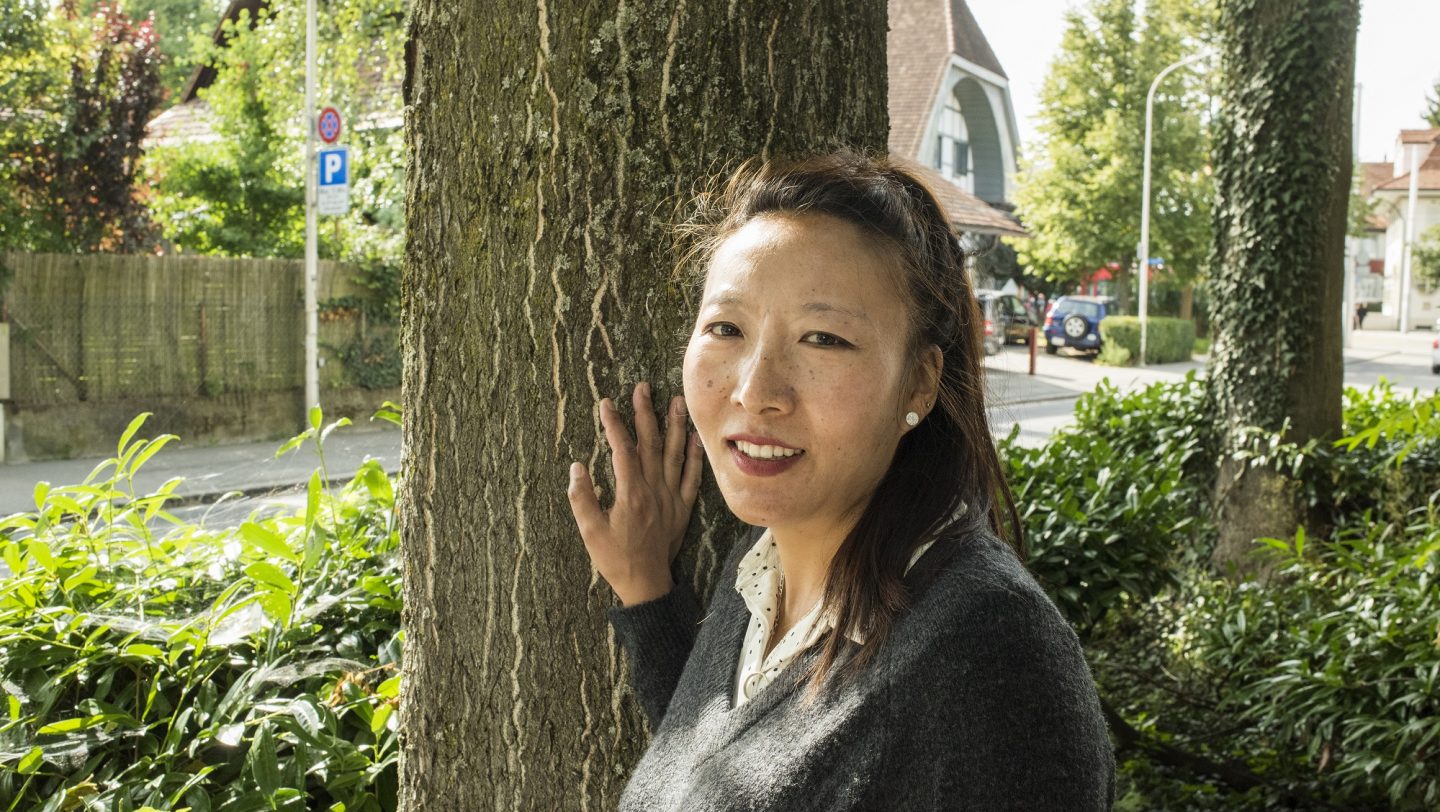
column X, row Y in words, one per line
column 1043, row 403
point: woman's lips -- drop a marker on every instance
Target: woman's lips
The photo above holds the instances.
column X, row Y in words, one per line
column 761, row 467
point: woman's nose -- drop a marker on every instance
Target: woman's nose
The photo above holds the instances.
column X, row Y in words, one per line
column 763, row 383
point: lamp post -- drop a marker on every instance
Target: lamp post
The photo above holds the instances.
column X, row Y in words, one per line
column 1145, row 198
column 312, row 253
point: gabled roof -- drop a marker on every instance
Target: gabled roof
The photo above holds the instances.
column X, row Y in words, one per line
column 967, row 212
column 923, row 35
column 1429, row 136
column 1372, row 175
column 1429, row 175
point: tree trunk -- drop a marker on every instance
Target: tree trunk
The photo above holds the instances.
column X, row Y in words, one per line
column 1282, row 158
column 550, row 144
column 1187, row 301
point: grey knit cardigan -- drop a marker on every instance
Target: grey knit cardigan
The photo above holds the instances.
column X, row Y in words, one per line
column 980, row 699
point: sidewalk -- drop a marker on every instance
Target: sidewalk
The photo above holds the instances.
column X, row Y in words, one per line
column 1065, row 377
column 210, row 471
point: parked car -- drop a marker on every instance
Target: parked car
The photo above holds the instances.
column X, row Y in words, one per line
column 1074, row 321
column 1435, row 357
column 1007, row 319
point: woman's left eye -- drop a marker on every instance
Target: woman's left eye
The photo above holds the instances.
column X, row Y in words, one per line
column 826, row 340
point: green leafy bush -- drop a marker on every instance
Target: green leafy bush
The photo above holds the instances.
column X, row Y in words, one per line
column 1166, row 340
column 1108, row 503
column 239, row 669
column 1314, row 689
column 1341, row 661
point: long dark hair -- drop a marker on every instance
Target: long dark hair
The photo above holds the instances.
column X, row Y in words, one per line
column 945, row 470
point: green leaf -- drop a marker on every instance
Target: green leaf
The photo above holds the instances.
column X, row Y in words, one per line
column 271, row 576
column 30, row 764
column 151, row 450
column 276, row 605
column 130, row 432
column 312, row 499
column 143, row 650
column 316, row 417
column 40, row 551
column 13, row 559
column 68, row 725
column 377, row 483
column 382, row 715
column 84, row 576
column 294, row 442
column 263, row 764
column 42, row 488
column 268, row 541
column 344, row 421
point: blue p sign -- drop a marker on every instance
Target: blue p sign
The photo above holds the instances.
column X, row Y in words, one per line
column 334, row 167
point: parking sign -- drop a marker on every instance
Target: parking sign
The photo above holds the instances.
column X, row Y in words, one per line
column 334, row 192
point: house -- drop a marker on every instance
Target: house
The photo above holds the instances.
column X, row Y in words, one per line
column 1379, row 273
column 950, row 112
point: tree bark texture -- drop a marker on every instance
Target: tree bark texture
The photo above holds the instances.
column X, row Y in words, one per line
column 549, row 145
column 1282, row 169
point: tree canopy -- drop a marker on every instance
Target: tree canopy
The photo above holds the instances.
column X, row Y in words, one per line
column 1079, row 191
column 78, row 90
column 242, row 194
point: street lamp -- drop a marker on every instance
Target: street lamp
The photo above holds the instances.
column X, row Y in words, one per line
column 1145, row 198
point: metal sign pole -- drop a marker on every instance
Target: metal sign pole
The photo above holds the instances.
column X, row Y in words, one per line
column 312, row 250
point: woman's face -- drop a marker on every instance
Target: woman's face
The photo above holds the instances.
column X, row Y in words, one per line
column 794, row 371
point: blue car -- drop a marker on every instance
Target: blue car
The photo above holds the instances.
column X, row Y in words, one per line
column 1074, row 321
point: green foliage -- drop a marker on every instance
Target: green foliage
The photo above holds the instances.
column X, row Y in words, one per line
column 1341, row 657
column 1166, row 340
column 1314, row 689
column 372, row 361
column 1079, row 193
column 182, row 28
column 77, row 91
column 242, row 195
column 240, row 669
column 1106, row 503
column 1361, row 207
column 1425, row 256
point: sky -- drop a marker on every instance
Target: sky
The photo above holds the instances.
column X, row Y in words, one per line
column 1397, row 61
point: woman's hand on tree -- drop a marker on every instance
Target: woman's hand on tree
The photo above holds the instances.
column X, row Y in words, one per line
column 656, row 480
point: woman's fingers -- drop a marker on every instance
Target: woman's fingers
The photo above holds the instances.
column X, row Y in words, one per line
column 588, row 515
column 694, row 464
column 647, row 431
column 675, row 437
column 622, row 447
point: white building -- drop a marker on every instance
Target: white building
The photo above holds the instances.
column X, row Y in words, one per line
column 950, row 112
column 1379, row 261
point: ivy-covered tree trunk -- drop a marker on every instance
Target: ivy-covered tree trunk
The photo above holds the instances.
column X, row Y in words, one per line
column 1282, row 170
column 549, row 145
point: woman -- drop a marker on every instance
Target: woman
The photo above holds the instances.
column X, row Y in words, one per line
column 873, row 644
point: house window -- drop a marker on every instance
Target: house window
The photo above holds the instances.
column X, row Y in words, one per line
column 952, row 153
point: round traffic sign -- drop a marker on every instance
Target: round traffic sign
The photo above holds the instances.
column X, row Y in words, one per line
column 328, row 125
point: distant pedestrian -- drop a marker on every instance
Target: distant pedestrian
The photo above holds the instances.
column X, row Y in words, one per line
column 1360, row 311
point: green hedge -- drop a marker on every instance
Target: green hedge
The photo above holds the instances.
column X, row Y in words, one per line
column 1169, row 340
